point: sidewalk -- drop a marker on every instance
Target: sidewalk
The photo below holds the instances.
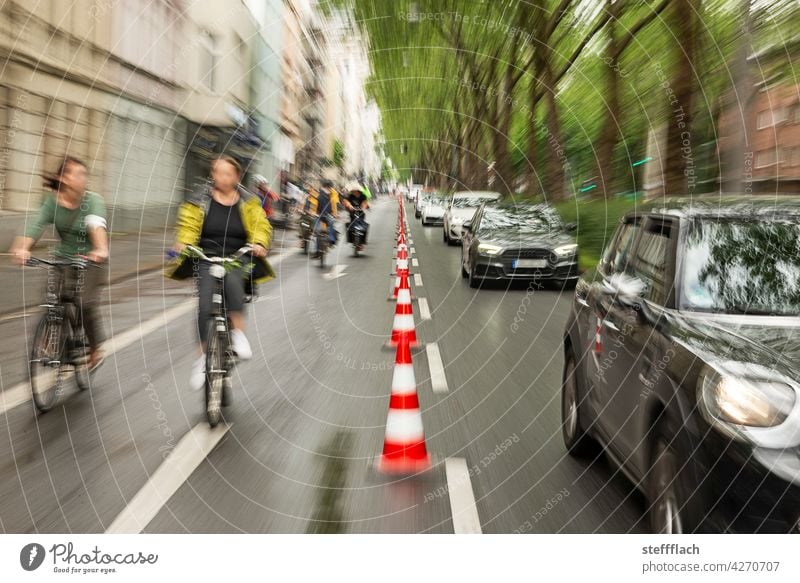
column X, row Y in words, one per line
column 130, row 255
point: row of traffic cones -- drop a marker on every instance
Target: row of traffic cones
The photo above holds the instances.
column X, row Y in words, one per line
column 404, row 449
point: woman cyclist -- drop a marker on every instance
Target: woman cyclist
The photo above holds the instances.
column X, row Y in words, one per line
column 220, row 219
column 79, row 217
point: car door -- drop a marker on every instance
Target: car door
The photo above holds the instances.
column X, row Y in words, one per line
column 611, row 356
column 653, row 264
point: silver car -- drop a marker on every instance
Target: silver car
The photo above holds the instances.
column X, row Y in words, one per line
column 461, row 208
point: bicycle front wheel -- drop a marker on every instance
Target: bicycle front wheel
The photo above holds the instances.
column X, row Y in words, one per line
column 215, row 372
column 46, row 364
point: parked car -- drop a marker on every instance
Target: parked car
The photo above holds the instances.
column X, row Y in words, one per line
column 682, row 359
column 461, row 207
column 433, row 210
column 518, row 242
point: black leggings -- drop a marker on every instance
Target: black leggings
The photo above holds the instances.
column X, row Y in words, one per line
column 86, row 283
column 232, row 296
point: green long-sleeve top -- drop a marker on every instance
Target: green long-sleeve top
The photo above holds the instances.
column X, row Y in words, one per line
column 71, row 224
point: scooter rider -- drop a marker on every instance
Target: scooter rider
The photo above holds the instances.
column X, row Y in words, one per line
column 356, row 198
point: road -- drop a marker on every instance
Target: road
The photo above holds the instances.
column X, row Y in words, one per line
column 133, row 454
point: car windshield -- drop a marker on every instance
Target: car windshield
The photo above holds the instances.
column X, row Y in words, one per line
column 467, row 202
column 521, row 220
column 742, row 266
column 437, row 201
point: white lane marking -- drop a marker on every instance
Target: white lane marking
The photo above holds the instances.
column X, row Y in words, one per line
column 21, row 392
column 418, row 279
column 438, row 378
column 336, row 272
column 190, row 452
column 462, row 499
column 412, row 251
column 424, row 311
column 414, row 262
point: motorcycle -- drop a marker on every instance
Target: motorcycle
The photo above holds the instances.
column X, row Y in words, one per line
column 357, row 231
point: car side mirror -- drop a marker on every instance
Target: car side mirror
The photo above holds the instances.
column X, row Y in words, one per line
column 624, row 289
column 571, row 227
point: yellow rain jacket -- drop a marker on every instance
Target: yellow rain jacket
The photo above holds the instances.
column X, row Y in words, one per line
column 189, row 227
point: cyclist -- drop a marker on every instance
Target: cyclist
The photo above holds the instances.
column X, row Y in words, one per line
column 324, row 204
column 221, row 218
column 266, row 194
column 356, row 198
column 79, row 217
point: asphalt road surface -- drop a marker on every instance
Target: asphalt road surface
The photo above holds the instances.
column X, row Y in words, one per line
column 297, row 451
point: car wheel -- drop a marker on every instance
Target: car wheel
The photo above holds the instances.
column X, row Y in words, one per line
column 576, row 440
column 675, row 502
column 474, row 282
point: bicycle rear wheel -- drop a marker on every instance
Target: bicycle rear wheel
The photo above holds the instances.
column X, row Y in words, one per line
column 215, row 372
column 48, row 354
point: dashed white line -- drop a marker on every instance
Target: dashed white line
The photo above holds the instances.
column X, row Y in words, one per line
column 412, row 251
column 335, row 272
column 418, row 279
column 438, row 378
column 462, row 499
column 424, row 311
column 414, row 262
column 190, row 452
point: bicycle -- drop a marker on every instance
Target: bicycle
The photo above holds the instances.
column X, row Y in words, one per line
column 59, row 342
column 220, row 357
column 321, row 237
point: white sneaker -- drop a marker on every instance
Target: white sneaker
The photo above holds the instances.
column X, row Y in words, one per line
column 197, row 378
column 240, row 345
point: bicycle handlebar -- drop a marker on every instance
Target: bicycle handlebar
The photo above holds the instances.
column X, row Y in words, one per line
column 235, row 257
column 77, row 262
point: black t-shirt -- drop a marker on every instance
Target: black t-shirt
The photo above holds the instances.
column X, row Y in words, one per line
column 223, row 232
column 356, row 199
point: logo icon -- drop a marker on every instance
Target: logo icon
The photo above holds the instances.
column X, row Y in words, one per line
column 31, row 556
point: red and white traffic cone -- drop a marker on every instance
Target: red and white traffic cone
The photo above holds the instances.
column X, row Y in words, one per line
column 401, row 282
column 404, row 449
column 403, row 326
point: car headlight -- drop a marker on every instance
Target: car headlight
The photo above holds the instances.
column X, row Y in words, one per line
column 566, row 250
column 751, row 406
column 486, row 249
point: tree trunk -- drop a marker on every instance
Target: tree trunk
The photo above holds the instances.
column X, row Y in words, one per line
column 609, row 129
column 680, row 172
column 555, row 153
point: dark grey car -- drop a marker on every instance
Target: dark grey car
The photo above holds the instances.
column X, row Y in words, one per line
column 518, row 242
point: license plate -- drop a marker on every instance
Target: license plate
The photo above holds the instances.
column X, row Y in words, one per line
column 528, row 263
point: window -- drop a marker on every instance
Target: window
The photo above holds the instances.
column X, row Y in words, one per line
column 651, row 259
column 617, row 255
column 765, row 158
column 770, row 117
column 208, row 60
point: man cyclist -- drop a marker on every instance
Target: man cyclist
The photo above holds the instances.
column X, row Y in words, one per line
column 79, row 217
column 324, row 204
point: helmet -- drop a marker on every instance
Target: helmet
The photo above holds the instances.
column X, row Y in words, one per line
column 327, row 183
column 354, row 186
